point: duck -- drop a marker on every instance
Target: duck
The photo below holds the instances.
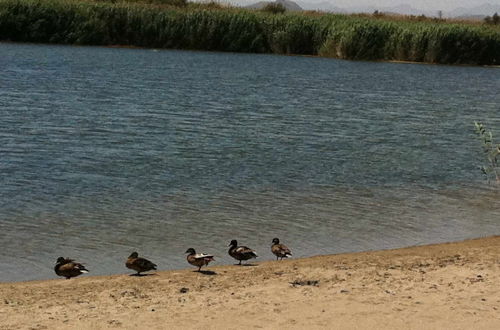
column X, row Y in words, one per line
column 139, row 264
column 199, row 260
column 280, row 250
column 68, row 268
column 240, row 252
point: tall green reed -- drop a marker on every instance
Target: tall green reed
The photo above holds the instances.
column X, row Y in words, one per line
column 172, row 24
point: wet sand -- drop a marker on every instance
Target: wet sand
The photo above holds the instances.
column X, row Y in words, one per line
column 443, row 286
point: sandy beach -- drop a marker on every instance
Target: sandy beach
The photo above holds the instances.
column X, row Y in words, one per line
column 442, row 286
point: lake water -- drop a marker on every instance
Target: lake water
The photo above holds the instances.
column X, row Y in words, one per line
column 106, row 151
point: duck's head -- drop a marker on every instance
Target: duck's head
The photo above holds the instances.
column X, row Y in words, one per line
column 191, row 251
column 233, row 243
column 276, row 240
column 60, row 260
column 134, row 255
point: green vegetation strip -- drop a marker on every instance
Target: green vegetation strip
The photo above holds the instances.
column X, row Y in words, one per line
column 178, row 25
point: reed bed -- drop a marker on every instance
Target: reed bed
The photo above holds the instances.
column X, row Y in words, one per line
column 176, row 24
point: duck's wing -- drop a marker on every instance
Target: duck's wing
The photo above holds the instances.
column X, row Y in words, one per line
column 245, row 250
column 73, row 266
column 202, row 256
column 81, row 268
column 284, row 249
column 144, row 263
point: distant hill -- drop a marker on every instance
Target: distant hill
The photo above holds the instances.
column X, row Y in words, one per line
column 402, row 9
column 483, row 10
column 472, row 12
column 289, row 5
column 472, row 17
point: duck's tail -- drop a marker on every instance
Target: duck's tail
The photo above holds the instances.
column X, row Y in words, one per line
column 82, row 268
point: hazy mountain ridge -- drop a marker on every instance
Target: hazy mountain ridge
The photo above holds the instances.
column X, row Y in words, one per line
column 486, row 9
column 480, row 11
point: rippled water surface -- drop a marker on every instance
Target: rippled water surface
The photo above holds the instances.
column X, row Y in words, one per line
column 106, row 151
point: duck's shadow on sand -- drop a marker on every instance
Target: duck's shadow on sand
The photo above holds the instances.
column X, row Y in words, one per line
column 247, row 265
column 206, row 272
column 141, row 275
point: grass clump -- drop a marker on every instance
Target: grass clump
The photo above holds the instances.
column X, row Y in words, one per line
column 491, row 151
column 274, row 8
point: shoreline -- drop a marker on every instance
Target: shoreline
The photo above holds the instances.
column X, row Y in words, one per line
column 438, row 286
column 254, row 262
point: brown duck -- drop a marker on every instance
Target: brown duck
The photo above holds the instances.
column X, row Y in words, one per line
column 240, row 252
column 280, row 250
column 198, row 259
column 139, row 264
column 69, row 268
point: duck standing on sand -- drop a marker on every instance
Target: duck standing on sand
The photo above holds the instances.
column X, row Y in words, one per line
column 240, row 252
column 198, row 260
column 69, row 268
column 280, row 250
column 139, row 264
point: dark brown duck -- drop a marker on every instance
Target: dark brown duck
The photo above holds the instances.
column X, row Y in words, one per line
column 240, row 252
column 280, row 250
column 69, row 268
column 139, row 264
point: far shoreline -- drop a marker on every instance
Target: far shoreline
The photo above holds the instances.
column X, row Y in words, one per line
column 132, row 47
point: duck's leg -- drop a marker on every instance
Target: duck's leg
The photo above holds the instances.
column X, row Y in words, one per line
column 199, row 269
column 240, row 263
